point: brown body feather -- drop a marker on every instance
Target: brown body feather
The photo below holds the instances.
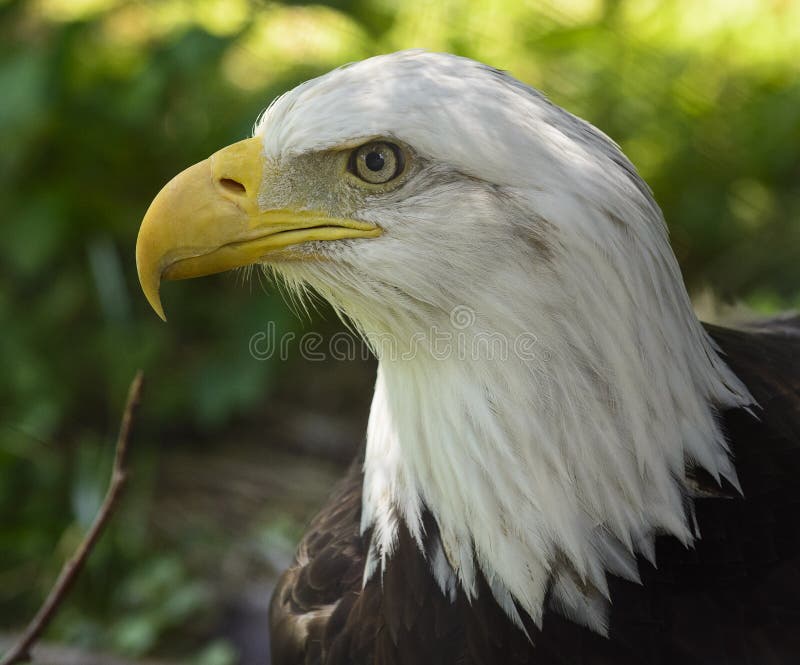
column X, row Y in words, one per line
column 732, row 599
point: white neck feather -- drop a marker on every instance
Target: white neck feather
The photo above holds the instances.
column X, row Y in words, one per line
column 554, row 465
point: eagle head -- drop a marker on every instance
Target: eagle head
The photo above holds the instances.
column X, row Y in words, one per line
column 427, row 195
column 412, row 180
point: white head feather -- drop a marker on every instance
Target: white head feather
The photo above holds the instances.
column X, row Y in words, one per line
column 545, row 466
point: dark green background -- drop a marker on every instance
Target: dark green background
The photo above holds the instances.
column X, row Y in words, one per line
column 102, row 101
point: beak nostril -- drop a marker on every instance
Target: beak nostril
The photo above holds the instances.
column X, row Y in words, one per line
column 233, row 186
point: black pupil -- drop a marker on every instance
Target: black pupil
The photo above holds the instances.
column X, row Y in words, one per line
column 374, row 161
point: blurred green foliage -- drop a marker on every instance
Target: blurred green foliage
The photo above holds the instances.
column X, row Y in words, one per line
column 104, row 100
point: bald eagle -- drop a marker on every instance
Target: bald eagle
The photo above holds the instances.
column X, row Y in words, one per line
column 562, row 464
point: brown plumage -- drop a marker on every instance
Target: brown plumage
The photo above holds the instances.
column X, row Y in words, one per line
column 732, row 599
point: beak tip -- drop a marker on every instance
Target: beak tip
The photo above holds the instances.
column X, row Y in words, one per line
column 155, row 303
column 151, row 283
column 150, row 273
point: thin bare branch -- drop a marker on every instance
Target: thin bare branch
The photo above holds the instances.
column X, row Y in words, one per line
column 20, row 652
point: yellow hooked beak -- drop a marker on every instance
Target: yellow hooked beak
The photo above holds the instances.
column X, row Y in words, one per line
column 207, row 219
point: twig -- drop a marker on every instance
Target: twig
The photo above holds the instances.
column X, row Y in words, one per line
column 21, row 650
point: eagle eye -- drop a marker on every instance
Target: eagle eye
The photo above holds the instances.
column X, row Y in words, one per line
column 377, row 162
